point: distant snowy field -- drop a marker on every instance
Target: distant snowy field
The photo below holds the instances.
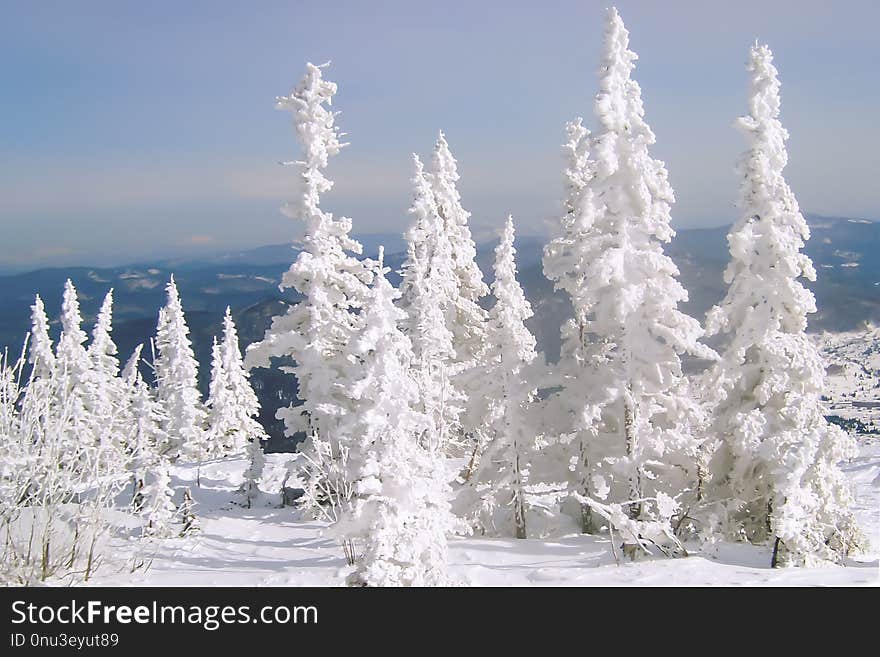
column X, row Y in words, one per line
column 271, row 545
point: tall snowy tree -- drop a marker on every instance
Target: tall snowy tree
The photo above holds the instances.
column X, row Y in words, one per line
column 217, row 411
column 10, row 391
column 109, row 394
column 177, row 383
column 40, row 353
column 144, row 419
column 626, row 295
column 41, row 427
column 39, row 403
column 572, row 416
column 102, row 350
column 776, row 466
column 499, row 479
column 400, row 509
column 333, row 284
column 468, row 319
column 428, row 285
column 15, row 448
column 465, row 318
column 232, row 403
column 76, row 382
column 569, row 249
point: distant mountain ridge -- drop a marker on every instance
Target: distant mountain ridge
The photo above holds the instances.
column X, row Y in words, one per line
column 844, row 251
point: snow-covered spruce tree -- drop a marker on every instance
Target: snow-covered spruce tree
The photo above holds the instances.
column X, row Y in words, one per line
column 145, row 418
column 177, row 389
column 15, row 453
column 465, row 318
column 469, row 318
column 157, row 509
column 232, row 403
column 572, row 416
column 76, row 383
column 186, row 514
column 10, row 394
column 333, row 283
column 38, row 410
column 74, row 472
column 102, row 351
column 250, row 486
column 626, row 295
column 775, row 471
column 40, row 352
column 39, row 401
column 110, row 396
column 498, row 480
column 46, row 471
column 400, row 509
column 428, row 286
column 217, row 421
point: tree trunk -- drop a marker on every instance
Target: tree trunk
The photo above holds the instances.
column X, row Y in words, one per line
column 587, row 524
column 774, row 561
column 635, row 481
column 519, row 507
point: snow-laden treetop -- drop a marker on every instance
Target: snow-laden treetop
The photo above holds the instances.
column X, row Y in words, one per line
column 619, row 96
column 319, row 136
column 767, row 239
column 620, row 146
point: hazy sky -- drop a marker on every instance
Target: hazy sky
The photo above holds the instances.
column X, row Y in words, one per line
column 131, row 129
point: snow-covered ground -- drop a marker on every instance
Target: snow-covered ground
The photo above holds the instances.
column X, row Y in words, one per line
column 854, row 377
column 270, row 545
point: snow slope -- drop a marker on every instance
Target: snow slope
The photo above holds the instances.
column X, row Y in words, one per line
column 853, row 360
column 270, row 545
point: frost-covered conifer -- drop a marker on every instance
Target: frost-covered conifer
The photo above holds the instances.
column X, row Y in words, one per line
column 177, row 383
column 232, row 403
column 66, row 473
column 609, row 256
column 333, row 283
column 250, row 486
column 15, row 450
column 144, row 419
column 217, row 422
column 571, row 416
column 102, row 349
column 40, row 354
column 572, row 241
column 131, row 371
column 188, row 518
column 465, row 318
column 499, row 479
column 400, row 509
column 428, row 286
column 9, row 397
column 40, row 426
column 157, row 509
column 776, row 466
column 110, row 400
column 76, row 383
column 441, row 289
column 40, row 400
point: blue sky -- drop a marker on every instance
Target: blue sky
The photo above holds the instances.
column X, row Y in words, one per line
column 137, row 129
